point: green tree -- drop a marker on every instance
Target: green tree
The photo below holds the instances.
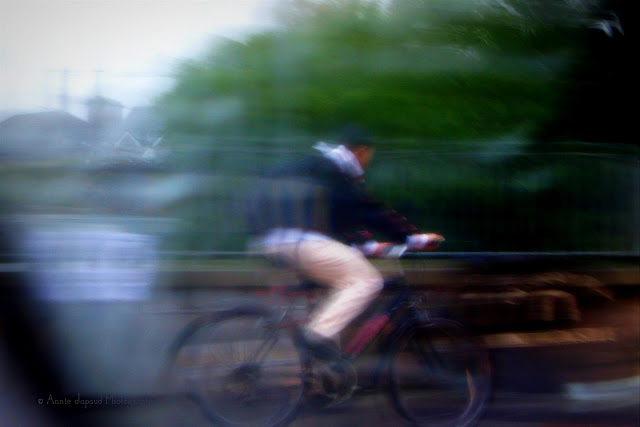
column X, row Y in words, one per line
column 413, row 69
column 442, row 83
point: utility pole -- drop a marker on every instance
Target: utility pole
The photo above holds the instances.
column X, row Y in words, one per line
column 64, row 91
column 97, row 88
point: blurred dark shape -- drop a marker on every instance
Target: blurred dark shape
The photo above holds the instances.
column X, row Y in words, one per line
column 596, row 105
column 32, row 354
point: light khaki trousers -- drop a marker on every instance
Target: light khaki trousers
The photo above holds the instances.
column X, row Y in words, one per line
column 354, row 281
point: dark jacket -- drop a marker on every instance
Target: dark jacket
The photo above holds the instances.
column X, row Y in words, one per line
column 313, row 194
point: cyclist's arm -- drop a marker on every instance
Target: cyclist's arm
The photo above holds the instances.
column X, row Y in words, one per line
column 370, row 212
column 363, row 209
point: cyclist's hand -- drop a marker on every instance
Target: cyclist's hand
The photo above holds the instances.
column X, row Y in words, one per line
column 422, row 242
column 375, row 249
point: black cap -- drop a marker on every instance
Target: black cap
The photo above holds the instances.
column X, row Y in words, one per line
column 354, row 135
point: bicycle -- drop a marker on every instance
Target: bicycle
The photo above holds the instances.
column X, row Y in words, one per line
column 244, row 365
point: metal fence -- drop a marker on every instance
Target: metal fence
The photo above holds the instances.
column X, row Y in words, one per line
column 482, row 201
column 491, row 199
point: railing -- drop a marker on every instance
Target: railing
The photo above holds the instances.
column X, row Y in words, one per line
column 493, row 197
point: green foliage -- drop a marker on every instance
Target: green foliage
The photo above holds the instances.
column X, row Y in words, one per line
column 414, row 69
column 440, row 83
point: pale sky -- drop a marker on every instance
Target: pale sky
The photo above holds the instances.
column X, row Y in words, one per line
column 121, row 49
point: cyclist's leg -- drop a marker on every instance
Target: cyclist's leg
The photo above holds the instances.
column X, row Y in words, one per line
column 355, row 282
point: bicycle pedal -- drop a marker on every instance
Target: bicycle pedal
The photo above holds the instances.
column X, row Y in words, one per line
column 313, row 385
column 339, row 398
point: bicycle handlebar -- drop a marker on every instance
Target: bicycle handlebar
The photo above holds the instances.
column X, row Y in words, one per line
column 394, row 251
column 387, row 251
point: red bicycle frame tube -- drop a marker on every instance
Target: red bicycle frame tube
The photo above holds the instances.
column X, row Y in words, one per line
column 366, row 333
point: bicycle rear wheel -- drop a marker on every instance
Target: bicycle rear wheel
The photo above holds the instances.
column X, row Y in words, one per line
column 240, row 368
column 440, row 376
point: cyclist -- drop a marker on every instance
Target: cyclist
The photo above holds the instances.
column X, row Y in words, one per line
column 307, row 212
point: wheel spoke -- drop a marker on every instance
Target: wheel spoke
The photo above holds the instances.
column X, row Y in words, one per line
column 242, row 372
column 440, row 376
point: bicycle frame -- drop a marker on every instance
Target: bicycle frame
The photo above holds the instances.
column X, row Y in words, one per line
column 371, row 327
column 403, row 330
column 374, row 325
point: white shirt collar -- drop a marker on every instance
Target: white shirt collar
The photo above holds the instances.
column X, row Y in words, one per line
column 343, row 157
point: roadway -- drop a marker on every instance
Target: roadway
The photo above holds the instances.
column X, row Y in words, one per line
column 578, row 366
column 583, row 374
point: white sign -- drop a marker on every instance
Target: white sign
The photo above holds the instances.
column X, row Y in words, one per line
column 91, row 265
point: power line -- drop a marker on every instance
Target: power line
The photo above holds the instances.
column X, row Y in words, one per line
column 66, row 75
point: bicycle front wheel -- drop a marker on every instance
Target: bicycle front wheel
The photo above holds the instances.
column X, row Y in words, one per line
column 440, row 375
column 240, row 367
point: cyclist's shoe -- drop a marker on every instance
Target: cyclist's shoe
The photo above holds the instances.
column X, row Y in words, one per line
column 330, row 383
column 318, row 346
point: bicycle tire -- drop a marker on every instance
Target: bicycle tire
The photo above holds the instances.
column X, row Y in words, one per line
column 239, row 368
column 440, row 375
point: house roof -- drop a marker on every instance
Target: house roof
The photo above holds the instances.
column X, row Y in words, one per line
column 43, row 127
column 103, row 101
